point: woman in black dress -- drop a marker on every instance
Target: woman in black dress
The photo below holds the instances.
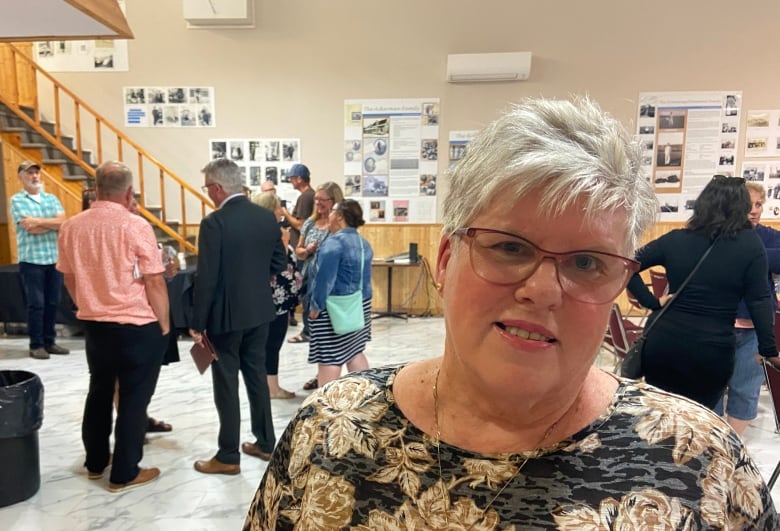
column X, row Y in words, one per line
column 690, row 350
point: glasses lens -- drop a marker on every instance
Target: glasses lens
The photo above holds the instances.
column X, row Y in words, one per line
column 588, row 276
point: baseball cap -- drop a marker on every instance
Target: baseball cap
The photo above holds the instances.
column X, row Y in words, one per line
column 299, row 170
column 26, row 165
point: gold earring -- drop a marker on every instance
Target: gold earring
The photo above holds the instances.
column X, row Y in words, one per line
column 439, row 286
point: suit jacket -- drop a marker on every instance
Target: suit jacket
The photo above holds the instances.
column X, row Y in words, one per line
column 239, row 249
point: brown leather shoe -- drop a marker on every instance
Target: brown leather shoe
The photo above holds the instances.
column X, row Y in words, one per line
column 252, row 449
column 145, row 475
column 214, row 466
column 56, row 349
column 39, row 353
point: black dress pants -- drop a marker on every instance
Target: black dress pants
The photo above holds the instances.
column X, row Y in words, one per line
column 245, row 351
column 133, row 355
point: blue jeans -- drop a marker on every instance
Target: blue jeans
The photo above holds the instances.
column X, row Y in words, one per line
column 42, row 284
column 745, row 383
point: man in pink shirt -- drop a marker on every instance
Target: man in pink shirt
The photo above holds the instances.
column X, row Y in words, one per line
column 114, row 274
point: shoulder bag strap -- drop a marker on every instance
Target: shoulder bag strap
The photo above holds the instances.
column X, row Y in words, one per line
column 682, row 286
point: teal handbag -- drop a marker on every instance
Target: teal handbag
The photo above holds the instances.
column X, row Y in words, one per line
column 346, row 311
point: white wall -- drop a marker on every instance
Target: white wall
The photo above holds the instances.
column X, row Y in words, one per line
column 290, row 75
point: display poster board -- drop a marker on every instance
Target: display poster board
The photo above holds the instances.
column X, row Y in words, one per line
column 391, row 155
column 762, row 134
column 687, row 138
column 102, row 55
column 261, row 159
column 169, row 106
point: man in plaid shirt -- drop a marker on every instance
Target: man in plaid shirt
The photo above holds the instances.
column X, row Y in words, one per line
column 37, row 217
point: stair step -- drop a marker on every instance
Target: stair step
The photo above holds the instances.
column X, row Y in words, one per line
column 32, row 145
column 55, row 161
column 74, row 178
column 13, row 129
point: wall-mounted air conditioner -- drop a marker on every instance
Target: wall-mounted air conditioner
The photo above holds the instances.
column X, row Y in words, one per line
column 472, row 67
column 219, row 13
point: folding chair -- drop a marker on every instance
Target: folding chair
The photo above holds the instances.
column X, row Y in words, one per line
column 643, row 312
column 659, row 283
column 773, row 382
column 621, row 333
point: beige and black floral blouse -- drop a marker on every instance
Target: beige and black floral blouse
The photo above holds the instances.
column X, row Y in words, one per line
column 653, row 461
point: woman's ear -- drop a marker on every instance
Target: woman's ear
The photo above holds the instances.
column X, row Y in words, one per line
column 442, row 260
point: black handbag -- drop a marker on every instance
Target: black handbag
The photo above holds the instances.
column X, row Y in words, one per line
column 631, row 367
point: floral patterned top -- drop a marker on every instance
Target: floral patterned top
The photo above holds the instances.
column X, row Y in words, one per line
column 653, row 460
column 285, row 287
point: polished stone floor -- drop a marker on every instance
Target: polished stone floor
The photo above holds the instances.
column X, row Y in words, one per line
column 182, row 498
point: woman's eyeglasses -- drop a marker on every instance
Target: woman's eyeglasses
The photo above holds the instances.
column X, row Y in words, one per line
column 504, row 258
column 322, row 200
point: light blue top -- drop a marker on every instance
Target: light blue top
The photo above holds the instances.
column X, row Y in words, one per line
column 338, row 267
column 38, row 249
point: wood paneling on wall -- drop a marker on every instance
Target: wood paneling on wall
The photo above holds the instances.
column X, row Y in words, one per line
column 17, row 81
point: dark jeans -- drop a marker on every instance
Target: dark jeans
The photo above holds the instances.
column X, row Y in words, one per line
column 245, row 351
column 277, row 329
column 306, row 332
column 42, row 284
column 133, row 355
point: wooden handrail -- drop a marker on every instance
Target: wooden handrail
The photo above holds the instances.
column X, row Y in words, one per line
column 126, row 149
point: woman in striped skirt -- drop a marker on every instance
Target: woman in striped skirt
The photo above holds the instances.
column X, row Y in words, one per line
column 343, row 259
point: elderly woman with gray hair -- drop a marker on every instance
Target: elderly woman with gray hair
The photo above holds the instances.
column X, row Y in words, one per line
column 513, row 426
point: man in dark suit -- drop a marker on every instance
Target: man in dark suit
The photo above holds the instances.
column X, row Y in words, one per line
column 239, row 249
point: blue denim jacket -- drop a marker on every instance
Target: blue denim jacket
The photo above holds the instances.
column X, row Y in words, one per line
column 338, row 267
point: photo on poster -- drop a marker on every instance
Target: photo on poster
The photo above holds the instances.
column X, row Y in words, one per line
column 156, row 95
column 728, row 127
column 243, row 174
column 353, row 115
column 352, row 185
column 668, row 204
column 205, row 117
column 758, row 119
column 135, row 95
column 376, row 211
column 283, row 176
column 272, row 174
column 352, row 150
column 647, row 110
column 255, row 153
column 236, row 151
column 375, row 185
column 255, row 174
column 376, row 126
column 157, row 116
column 171, row 115
column 379, row 147
column 374, row 164
column 664, row 180
column 218, row 149
column 272, row 151
column 674, row 119
column 728, row 144
column 429, row 149
column 457, row 150
column 754, row 173
column 726, row 160
column 646, row 129
column 104, row 54
column 400, row 210
column 430, row 114
column 290, row 151
column 669, row 155
column 189, row 116
column 200, row 95
column 427, row 185
column 177, row 95
column 756, row 145
column 731, row 105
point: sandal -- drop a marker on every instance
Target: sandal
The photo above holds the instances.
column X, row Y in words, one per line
column 283, row 394
column 311, row 385
column 154, row 425
column 299, row 339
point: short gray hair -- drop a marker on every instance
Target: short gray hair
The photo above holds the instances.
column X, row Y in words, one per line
column 268, row 200
column 226, row 173
column 566, row 150
column 112, row 179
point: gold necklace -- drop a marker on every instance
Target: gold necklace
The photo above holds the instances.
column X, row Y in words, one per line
column 437, row 430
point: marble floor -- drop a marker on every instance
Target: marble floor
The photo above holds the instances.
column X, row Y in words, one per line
column 182, row 498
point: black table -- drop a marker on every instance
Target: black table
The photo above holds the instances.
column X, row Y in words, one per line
column 13, row 303
column 389, row 266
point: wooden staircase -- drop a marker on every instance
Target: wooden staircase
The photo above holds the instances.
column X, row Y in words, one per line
column 73, row 139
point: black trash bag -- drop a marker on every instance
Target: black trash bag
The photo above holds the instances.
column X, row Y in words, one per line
column 21, row 403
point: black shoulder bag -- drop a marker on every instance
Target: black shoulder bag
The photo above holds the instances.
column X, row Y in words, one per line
column 632, row 363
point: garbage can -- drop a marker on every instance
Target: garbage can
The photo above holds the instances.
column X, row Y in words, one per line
column 21, row 415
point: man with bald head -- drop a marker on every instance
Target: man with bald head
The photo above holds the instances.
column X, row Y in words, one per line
column 114, row 274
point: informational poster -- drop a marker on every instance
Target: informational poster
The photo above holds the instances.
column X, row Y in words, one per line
column 762, row 137
column 688, row 137
column 391, row 155
column 767, row 173
column 261, row 159
column 169, row 106
column 103, row 55
column 459, row 140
